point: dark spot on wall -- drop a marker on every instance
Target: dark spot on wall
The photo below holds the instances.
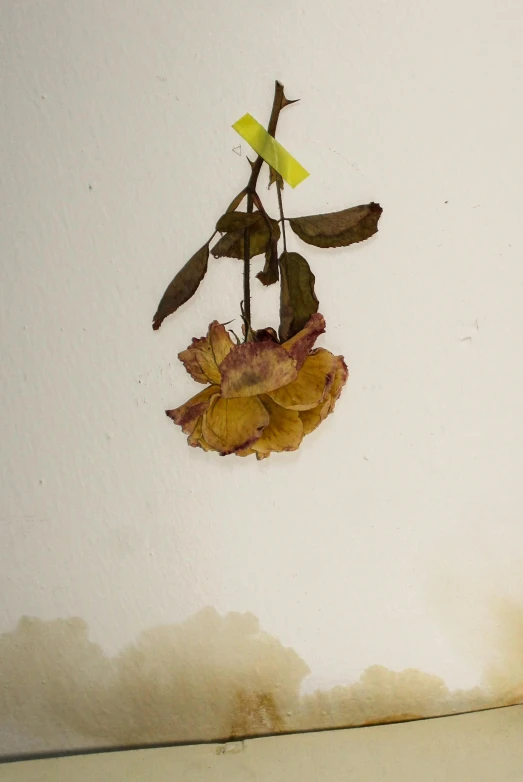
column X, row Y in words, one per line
column 211, row 677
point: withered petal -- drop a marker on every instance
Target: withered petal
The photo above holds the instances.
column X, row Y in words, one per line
column 302, row 343
column 196, row 437
column 256, row 368
column 221, row 342
column 284, row 431
column 198, row 360
column 231, row 425
column 312, row 384
column 187, row 415
column 311, row 419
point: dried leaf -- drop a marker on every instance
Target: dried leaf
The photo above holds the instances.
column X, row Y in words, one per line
column 270, row 273
column 236, row 201
column 297, row 298
column 338, row 229
column 231, row 245
column 237, row 221
column 183, row 287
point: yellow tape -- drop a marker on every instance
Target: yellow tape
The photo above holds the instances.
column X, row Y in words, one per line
column 270, row 150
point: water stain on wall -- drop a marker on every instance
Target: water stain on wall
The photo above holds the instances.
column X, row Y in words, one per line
column 211, row 677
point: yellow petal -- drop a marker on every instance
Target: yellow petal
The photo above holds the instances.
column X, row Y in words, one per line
column 256, row 368
column 231, row 425
column 188, row 414
column 196, row 437
column 284, row 432
column 313, row 418
column 203, row 356
column 221, row 342
column 199, row 361
column 312, row 384
column 299, row 346
column 340, row 378
column 244, row 452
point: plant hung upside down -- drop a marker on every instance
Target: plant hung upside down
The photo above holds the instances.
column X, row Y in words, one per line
column 266, row 393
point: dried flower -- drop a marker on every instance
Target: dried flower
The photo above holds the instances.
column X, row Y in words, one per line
column 263, row 396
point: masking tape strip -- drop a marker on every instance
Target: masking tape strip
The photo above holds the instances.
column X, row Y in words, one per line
column 270, row 150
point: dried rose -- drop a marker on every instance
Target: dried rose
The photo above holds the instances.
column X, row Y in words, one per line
column 264, row 396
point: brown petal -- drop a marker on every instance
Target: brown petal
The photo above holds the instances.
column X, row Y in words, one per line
column 302, row 343
column 256, row 368
column 231, row 425
column 188, row 414
column 284, row 432
column 312, row 384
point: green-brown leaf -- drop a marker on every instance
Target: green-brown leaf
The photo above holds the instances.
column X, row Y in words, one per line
column 184, row 285
column 338, row 229
column 237, row 221
column 236, row 201
column 270, row 273
column 297, row 298
column 231, row 245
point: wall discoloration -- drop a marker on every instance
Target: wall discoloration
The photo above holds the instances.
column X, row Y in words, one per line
column 211, row 677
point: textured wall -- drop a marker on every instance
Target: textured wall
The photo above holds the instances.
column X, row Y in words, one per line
column 393, row 537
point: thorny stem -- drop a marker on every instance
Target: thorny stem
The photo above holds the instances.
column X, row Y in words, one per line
column 282, row 216
column 247, row 274
column 279, row 102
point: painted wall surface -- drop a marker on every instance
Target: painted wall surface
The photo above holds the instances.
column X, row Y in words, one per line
column 480, row 747
column 151, row 592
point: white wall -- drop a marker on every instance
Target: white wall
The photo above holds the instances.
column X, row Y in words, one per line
column 394, row 535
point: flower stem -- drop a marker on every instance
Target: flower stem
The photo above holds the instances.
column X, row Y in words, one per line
column 282, row 216
column 247, row 275
column 279, row 102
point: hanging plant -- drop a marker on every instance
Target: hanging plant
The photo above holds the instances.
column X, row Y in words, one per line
column 266, row 393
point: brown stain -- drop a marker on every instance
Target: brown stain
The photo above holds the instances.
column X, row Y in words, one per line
column 211, row 677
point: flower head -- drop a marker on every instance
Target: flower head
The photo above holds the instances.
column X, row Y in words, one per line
column 261, row 396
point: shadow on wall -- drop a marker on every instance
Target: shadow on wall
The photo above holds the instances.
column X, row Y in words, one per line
column 210, row 677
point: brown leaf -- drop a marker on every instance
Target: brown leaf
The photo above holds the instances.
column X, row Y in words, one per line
column 297, row 298
column 237, row 221
column 231, row 245
column 184, row 285
column 338, row 229
column 236, row 201
column 270, row 273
